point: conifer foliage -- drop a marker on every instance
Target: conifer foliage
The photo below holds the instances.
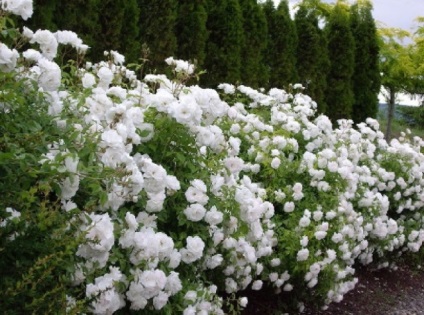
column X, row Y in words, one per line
column 223, row 50
column 341, row 49
column 254, row 72
column 191, row 30
column 282, row 43
column 366, row 77
column 111, row 21
column 312, row 56
column 248, row 42
column 130, row 45
column 157, row 31
column 68, row 16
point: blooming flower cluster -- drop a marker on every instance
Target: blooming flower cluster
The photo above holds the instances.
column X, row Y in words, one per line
column 197, row 196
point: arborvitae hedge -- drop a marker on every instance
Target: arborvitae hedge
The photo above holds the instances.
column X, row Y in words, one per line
column 282, row 43
column 312, row 55
column 239, row 42
column 223, row 50
column 157, row 31
column 366, row 76
column 130, row 44
column 254, row 71
column 43, row 16
column 82, row 17
column 191, row 30
column 341, row 48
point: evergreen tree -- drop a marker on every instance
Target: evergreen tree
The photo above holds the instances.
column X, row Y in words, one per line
column 129, row 43
column 366, row 77
column 111, row 20
column 312, row 56
column 157, row 31
column 43, row 16
column 68, row 16
column 282, row 43
column 254, row 71
column 191, row 30
column 341, row 50
column 223, row 50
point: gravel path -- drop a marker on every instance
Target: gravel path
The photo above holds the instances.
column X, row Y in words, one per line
column 383, row 292
column 378, row 292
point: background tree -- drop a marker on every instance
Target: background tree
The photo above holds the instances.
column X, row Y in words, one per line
column 341, row 50
column 397, row 68
column 254, row 71
column 312, row 57
column 417, row 51
column 191, row 30
column 366, row 75
column 43, row 16
column 130, row 46
column 223, row 50
column 282, row 43
column 111, row 21
column 68, row 16
column 157, row 31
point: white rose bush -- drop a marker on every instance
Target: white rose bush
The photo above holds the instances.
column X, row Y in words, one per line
column 154, row 196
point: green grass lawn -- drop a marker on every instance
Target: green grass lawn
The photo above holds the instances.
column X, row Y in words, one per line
column 399, row 125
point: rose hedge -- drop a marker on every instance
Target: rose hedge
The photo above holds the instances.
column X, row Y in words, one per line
column 153, row 195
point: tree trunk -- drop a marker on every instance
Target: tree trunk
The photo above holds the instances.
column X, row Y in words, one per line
column 390, row 114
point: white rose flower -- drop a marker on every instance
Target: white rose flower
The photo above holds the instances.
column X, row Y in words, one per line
column 243, row 301
column 214, row 217
column 32, row 55
column 302, row 254
column 173, row 283
column 160, row 300
column 257, row 285
column 27, row 33
column 214, row 261
column 195, row 212
column 289, row 207
column 50, row 75
column 174, row 259
column 195, row 195
column 48, row 43
column 190, row 296
column 88, row 80
column 193, row 250
column 8, row 58
column 275, row 163
column 23, row 8
column 304, row 221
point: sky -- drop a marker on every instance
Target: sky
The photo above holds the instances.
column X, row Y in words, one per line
column 393, row 13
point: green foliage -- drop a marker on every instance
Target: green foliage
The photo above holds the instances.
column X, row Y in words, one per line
column 44, row 15
column 413, row 115
column 366, row 77
column 312, row 57
column 157, row 31
column 416, row 50
column 254, row 72
column 282, row 45
column 37, row 248
column 191, row 30
column 68, row 16
column 223, row 49
column 396, row 65
column 111, row 22
column 341, row 50
column 129, row 43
